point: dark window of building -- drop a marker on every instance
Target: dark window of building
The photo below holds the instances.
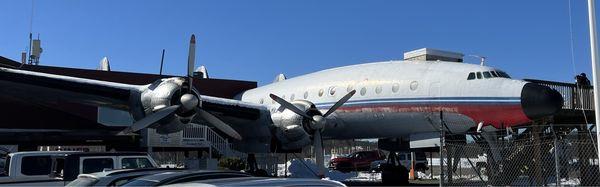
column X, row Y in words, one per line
column 91, row 165
column 471, row 76
column 487, row 75
column 479, row 75
column 36, row 165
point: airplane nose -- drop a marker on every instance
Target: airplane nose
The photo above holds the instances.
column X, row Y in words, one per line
column 540, row 101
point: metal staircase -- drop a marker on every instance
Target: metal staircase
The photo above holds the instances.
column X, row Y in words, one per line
column 202, row 133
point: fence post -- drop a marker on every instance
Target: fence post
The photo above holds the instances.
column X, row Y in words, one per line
column 537, row 153
column 442, row 142
column 556, row 160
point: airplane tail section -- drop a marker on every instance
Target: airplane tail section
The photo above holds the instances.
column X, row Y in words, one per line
column 201, row 72
column 279, row 77
column 104, row 64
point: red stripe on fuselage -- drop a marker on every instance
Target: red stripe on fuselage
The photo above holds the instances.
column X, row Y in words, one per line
column 497, row 115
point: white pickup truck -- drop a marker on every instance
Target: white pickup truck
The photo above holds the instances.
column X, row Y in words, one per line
column 51, row 168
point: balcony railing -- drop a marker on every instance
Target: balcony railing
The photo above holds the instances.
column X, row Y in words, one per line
column 575, row 97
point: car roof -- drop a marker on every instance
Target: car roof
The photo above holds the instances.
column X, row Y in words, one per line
column 109, row 154
column 176, row 174
column 37, row 153
column 77, row 153
column 262, row 181
column 118, row 172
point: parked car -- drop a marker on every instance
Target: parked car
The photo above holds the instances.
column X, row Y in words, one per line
column 260, row 181
column 116, row 177
column 173, row 177
column 421, row 163
column 358, row 161
column 53, row 168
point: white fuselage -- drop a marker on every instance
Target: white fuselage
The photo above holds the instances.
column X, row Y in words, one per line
column 398, row 98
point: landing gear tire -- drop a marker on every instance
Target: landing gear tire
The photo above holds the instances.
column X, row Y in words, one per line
column 394, row 175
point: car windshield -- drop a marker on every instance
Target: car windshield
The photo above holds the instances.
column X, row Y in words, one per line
column 83, row 181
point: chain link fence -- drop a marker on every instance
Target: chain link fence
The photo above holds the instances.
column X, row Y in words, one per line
column 530, row 156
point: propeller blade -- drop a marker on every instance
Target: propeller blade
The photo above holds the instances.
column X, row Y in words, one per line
column 150, row 119
column 191, row 62
column 319, row 157
column 289, row 106
column 222, row 126
column 339, row 103
column 191, row 56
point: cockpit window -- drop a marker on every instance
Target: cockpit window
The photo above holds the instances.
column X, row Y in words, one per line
column 478, row 75
column 471, row 76
column 487, row 75
column 494, row 73
column 502, row 74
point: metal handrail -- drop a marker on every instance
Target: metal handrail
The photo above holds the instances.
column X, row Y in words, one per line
column 575, row 98
column 216, row 141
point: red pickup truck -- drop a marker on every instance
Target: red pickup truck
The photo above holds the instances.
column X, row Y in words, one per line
column 358, row 161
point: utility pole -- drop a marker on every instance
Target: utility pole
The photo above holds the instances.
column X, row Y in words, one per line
column 594, row 52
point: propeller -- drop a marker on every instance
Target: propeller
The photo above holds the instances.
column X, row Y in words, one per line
column 189, row 102
column 150, row 119
column 222, row 126
column 191, row 62
column 317, row 124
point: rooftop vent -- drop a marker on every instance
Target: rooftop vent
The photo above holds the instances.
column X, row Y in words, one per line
column 427, row 54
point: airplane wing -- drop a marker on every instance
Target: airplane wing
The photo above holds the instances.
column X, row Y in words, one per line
column 35, row 86
column 251, row 121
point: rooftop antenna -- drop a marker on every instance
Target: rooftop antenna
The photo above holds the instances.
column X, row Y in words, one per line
column 30, row 34
column 162, row 58
column 481, row 59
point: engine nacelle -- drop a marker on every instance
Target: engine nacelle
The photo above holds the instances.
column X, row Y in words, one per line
column 163, row 93
column 291, row 128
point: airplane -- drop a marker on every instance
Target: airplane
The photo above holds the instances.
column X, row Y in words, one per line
column 373, row 100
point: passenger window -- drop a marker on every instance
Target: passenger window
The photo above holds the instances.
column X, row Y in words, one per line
column 36, row 165
column 494, row 74
column 363, row 91
column 91, row 165
column 127, row 163
column 478, row 75
column 395, row 87
column 378, row 89
column 332, row 90
column 487, row 75
column 471, row 76
column 292, row 97
column 321, row 92
column 350, row 88
column 306, row 95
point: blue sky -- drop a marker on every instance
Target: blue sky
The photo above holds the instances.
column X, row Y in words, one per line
column 256, row 40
